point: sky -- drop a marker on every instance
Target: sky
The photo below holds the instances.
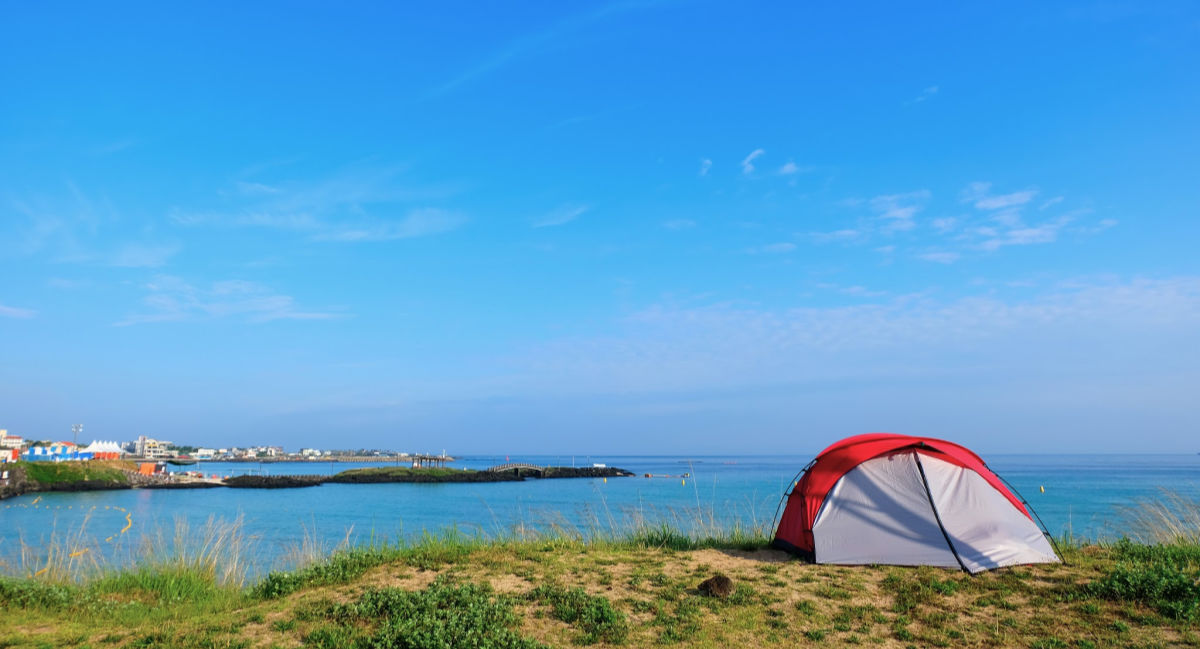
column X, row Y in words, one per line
column 613, row 228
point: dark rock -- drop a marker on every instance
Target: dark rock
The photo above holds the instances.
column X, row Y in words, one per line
column 717, row 586
column 273, row 481
column 582, row 472
column 377, row 476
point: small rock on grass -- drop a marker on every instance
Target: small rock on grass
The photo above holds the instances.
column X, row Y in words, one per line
column 717, row 586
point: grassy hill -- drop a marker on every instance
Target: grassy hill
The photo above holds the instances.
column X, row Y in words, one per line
column 634, row 592
column 25, row 477
column 53, row 473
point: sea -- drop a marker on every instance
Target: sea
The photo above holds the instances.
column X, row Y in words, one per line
column 1087, row 497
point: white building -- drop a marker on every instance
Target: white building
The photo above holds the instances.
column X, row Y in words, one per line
column 10, row 441
column 151, row 449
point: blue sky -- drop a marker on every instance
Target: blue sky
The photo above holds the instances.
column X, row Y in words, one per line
column 636, row 227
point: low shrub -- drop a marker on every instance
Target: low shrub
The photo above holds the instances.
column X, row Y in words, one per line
column 445, row 615
column 1172, row 591
column 594, row 615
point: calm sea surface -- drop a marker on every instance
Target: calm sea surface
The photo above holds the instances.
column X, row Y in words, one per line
column 1083, row 495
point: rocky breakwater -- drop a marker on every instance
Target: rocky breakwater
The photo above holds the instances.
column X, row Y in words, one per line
column 377, row 475
column 583, row 472
column 273, row 481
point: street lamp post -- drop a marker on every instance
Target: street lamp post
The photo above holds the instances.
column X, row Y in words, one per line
column 77, row 428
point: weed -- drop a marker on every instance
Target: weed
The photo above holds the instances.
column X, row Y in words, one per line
column 1172, row 591
column 595, row 616
column 443, row 615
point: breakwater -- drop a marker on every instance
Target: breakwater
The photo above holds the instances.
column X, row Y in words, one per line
column 383, row 475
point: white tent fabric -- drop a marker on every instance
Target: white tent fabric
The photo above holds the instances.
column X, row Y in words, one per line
column 103, row 447
column 881, row 512
column 985, row 528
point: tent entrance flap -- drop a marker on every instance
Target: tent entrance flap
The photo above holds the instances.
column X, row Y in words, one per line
column 936, row 515
column 880, row 512
column 985, row 531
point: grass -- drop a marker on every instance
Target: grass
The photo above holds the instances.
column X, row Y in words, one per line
column 443, row 615
column 633, row 589
column 47, row 474
column 593, row 614
column 453, row 590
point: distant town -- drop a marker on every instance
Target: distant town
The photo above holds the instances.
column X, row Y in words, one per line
column 15, row 447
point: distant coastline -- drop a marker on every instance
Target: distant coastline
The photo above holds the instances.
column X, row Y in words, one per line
column 395, row 459
column 35, row 477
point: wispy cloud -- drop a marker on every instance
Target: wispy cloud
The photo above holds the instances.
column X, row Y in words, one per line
column 705, row 166
column 417, row 223
column 667, row 346
column 1026, row 235
column 15, row 312
column 561, row 216
column 944, row 224
column 679, row 224
column 940, row 257
column 142, row 256
column 779, row 248
column 74, row 227
column 113, row 147
column 172, row 299
column 357, row 204
column 979, row 194
column 846, row 234
column 994, row 220
column 256, row 189
column 926, row 94
column 748, row 161
column 791, row 168
column 853, row 290
column 898, row 210
column 532, row 42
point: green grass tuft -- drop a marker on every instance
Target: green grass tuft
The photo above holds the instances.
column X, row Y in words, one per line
column 442, row 616
column 594, row 615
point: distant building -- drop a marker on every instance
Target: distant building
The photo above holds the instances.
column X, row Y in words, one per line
column 55, row 452
column 204, row 454
column 10, row 441
column 152, row 449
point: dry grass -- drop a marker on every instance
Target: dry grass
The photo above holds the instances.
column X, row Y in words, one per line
column 778, row 601
column 1172, row 518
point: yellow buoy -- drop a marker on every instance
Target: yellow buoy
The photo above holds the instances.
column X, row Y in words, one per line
column 683, row 482
column 1043, row 488
column 606, row 481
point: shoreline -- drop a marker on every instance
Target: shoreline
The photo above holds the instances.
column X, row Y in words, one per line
column 120, row 477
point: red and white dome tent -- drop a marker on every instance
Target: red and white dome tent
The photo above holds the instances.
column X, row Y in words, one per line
column 893, row 499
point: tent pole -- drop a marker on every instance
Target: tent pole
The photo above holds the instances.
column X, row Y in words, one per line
column 936, row 515
column 787, row 492
column 1045, row 530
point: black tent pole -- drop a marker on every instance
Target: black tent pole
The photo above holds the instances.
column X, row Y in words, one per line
column 1045, row 530
column 787, row 492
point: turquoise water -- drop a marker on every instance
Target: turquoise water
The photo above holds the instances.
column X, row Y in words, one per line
column 1083, row 495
